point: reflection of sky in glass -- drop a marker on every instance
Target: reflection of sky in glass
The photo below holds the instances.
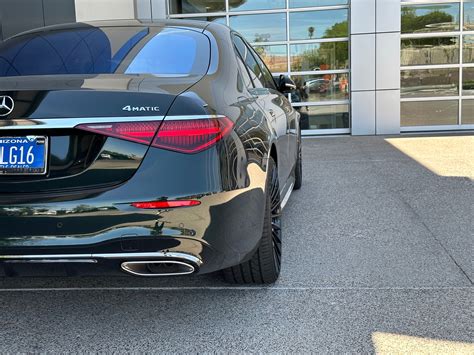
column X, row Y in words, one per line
column 275, row 57
column 260, row 28
column 430, row 13
column 181, row 62
column 308, row 3
column 320, row 21
column 256, row 5
column 451, row 9
column 469, row 16
column 273, row 50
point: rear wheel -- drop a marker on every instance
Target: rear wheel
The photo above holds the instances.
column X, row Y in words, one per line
column 264, row 266
column 299, row 167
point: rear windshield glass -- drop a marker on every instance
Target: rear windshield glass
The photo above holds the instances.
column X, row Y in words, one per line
column 107, row 50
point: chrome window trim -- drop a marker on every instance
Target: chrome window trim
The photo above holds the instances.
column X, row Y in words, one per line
column 61, row 123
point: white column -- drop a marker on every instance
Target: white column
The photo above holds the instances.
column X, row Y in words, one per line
column 151, row 9
column 375, row 66
column 160, row 9
column 143, row 8
column 92, row 10
column 363, row 66
column 388, row 28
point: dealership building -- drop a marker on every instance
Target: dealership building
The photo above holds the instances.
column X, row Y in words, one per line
column 362, row 67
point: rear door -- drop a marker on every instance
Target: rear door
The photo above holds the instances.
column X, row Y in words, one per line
column 270, row 101
column 285, row 110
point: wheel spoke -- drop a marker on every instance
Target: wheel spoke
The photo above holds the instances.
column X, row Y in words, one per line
column 276, row 214
column 275, row 211
column 277, row 243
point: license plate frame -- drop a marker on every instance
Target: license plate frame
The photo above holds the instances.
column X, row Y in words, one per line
column 23, row 168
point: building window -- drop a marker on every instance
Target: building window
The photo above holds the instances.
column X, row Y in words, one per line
column 319, row 24
column 430, row 51
column 239, row 5
column 196, row 6
column 261, row 27
column 306, row 39
column 437, row 63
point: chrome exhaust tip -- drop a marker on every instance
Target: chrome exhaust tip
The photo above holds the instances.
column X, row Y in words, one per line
column 158, row 268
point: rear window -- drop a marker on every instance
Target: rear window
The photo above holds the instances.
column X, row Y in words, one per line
column 107, row 50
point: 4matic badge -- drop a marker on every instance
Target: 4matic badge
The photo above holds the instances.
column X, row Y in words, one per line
column 130, row 108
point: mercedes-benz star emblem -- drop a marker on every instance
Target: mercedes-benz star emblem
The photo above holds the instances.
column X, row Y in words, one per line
column 6, row 105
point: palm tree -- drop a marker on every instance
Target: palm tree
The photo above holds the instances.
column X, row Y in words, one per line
column 310, row 32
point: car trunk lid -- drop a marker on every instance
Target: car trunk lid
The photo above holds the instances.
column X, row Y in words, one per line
column 57, row 107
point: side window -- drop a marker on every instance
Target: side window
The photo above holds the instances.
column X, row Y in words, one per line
column 267, row 75
column 246, row 80
column 250, row 62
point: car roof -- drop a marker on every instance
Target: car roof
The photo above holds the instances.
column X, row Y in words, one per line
column 199, row 26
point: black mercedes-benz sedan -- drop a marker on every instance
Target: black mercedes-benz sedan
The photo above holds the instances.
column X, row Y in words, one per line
column 154, row 149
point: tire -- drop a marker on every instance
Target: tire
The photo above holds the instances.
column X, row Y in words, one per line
column 299, row 167
column 264, row 266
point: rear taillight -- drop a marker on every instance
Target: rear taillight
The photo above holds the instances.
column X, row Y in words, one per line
column 165, row 204
column 192, row 136
column 184, row 135
column 139, row 132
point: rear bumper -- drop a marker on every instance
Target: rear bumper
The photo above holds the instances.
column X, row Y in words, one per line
column 104, row 231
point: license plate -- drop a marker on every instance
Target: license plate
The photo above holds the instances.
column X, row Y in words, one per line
column 23, row 155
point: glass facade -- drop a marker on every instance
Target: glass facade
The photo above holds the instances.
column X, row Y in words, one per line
column 468, row 111
column 437, row 63
column 430, row 51
column 196, row 6
column 429, row 113
column 305, row 39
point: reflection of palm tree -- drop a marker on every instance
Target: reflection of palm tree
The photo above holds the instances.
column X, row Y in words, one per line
column 310, row 32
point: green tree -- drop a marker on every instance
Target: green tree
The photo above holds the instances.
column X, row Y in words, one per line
column 340, row 29
column 411, row 22
column 334, row 55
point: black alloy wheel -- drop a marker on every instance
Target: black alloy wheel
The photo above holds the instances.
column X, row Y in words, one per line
column 265, row 265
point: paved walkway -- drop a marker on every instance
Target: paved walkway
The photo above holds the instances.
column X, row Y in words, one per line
column 377, row 256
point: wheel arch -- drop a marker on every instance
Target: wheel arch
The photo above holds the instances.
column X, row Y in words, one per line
column 274, row 153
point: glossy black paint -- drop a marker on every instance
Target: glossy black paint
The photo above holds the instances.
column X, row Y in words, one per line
column 83, row 205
